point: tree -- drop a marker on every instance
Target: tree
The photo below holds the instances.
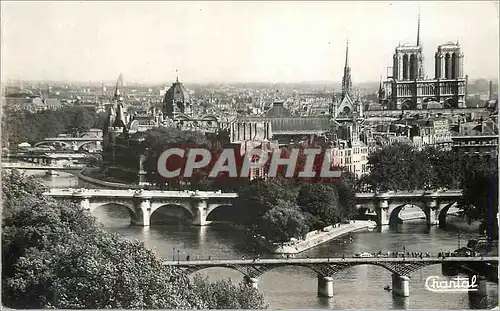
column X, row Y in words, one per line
column 283, row 222
column 259, row 196
column 222, row 294
column 55, row 255
column 346, row 188
column 93, row 160
column 480, row 196
column 322, row 202
column 24, row 126
column 81, row 121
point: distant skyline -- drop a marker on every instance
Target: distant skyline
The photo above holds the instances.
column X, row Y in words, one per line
column 236, row 41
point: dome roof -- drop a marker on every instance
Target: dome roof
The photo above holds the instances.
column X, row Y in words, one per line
column 177, row 93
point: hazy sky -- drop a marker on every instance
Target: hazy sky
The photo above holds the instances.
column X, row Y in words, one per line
column 236, row 41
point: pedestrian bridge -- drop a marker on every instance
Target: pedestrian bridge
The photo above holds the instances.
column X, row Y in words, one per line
column 142, row 203
column 401, row 268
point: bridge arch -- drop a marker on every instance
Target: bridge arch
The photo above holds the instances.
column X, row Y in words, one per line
column 52, row 143
column 394, row 214
column 80, row 145
column 215, row 210
column 98, row 205
column 184, row 208
column 256, row 270
column 444, row 212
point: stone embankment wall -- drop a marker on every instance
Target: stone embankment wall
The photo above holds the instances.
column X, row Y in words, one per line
column 315, row 238
column 85, row 181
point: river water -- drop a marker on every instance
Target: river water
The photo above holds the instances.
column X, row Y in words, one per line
column 360, row 287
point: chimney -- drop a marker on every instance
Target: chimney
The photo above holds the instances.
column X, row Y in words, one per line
column 490, row 97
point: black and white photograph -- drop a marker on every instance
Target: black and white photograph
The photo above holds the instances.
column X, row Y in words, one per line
column 186, row 155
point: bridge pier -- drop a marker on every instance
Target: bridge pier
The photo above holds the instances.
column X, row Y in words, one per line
column 83, row 199
column 252, row 282
column 482, row 285
column 400, row 285
column 432, row 212
column 142, row 211
column 325, row 286
column 201, row 207
column 382, row 210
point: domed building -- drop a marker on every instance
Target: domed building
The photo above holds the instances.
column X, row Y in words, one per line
column 177, row 101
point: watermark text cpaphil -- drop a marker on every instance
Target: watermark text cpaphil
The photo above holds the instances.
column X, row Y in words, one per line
column 227, row 162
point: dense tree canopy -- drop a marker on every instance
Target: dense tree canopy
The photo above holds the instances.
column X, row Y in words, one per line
column 480, row 197
column 281, row 208
column 400, row 167
column 24, row 126
column 54, row 254
column 284, row 221
column 321, row 201
column 259, row 196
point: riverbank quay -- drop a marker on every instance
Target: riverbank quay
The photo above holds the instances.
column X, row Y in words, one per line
column 89, row 175
column 317, row 237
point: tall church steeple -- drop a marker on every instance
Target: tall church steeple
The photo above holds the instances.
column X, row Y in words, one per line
column 346, row 80
column 418, row 30
column 381, row 92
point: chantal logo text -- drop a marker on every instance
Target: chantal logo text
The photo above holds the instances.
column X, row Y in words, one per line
column 454, row 285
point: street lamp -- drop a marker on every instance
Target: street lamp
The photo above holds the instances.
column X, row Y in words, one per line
column 173, row 253
column 178, row 256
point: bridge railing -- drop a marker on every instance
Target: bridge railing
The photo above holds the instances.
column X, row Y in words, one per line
column 331, row 260
column 232, row 194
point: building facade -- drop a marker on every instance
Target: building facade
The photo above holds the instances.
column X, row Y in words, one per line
column 408, row 88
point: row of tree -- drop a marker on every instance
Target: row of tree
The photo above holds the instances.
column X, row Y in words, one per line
column 401, row 167
column 55, row 255
column 20, row 126
column 281, row 209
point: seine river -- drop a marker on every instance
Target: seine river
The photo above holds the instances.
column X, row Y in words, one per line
column 295, row 287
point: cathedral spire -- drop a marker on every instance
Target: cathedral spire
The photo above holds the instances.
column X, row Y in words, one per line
column 418, row 29
column 381, row 92
column 176, row 76
column 347, row 53
column 346, row 80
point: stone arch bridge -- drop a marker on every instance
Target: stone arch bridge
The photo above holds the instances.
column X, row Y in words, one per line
column 200, row 204
column 401, row 268
column 387, row 205
column 72, row 169
column 142, row 204
column 78, row 142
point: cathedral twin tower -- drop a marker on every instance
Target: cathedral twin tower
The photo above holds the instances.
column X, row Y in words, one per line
column 408, row 88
